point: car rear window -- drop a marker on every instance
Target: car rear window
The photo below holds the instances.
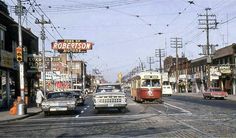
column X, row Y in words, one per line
column 216, row 90
column 108, row 88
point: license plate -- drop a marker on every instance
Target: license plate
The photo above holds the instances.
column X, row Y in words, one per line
column 110, row 105
column 58, row 109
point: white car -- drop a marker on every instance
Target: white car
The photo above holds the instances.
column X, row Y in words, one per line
column 109, row 96
column 167, row 90
column 59, row 101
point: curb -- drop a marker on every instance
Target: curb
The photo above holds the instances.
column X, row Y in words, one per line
column 200, row 95
column 20, row 118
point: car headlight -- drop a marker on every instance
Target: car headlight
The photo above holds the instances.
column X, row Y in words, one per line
column 45, row 105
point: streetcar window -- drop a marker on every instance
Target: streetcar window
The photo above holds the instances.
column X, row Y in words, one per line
column 146, row 83
column 155, row 83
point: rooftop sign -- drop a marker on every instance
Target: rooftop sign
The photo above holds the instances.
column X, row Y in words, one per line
column 75, row 46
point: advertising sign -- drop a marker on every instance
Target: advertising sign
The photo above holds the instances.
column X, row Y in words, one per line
column 225, row 69
column 74, row 46
column 35, row 63
column 6, row 59
column 214, row 73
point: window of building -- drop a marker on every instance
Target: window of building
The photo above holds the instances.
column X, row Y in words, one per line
column 2, row 37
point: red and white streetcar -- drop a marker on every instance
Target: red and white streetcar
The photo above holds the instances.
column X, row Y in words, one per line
column 147, row 86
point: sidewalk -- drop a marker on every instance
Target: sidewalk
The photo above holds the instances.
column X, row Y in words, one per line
column 229, row 97
column 6, row 117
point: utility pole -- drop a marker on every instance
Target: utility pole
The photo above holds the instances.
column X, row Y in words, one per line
column 160, row 53
column 19, row 12
column 43, row 37
column 208, row 22
column 71, row 70
column 150, row 62
column 176, row 43
column 141, row 64
column 83, row 76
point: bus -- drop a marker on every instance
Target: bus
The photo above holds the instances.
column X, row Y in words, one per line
column 146, row 86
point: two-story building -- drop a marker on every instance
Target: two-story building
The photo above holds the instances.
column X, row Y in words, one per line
column 9, row 69
column 222, row 70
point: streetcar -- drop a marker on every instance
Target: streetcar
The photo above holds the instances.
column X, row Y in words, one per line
column 147, row 87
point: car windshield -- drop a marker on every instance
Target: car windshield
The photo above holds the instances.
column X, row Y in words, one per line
column 108, row 88
column 59, row 95
column 151, row 83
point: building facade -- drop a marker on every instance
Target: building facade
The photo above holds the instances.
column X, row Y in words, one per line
column 9, row 68
column 195, row 72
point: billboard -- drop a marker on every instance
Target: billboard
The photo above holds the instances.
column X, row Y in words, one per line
column 74, row 46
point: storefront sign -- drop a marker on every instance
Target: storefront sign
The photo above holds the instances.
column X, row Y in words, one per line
column 6, row 59
column 35, row 63
column 225, row 69
column 214, row 73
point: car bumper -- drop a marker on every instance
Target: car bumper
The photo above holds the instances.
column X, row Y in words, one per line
column 59, row 108
column 110, row 105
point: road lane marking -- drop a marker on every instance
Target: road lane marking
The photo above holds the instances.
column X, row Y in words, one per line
column 183, row 110
column 77, row 116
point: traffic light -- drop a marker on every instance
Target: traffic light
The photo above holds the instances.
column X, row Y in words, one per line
column 19, row 54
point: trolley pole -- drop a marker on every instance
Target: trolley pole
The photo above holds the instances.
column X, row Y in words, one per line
column 19, row 12
column 43, row 37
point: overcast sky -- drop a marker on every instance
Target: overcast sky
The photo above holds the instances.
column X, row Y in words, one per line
column 125, row 30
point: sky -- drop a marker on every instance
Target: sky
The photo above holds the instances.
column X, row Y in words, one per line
column 127, row 32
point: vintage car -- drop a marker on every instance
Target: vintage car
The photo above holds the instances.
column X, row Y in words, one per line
column 59, row 101
column 214, row 92
column 109, row 96
column 80, row 96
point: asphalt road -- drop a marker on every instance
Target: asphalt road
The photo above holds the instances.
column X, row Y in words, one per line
column 178, row 116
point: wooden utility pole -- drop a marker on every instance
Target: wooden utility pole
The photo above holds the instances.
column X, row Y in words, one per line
column 208, row 22
column 160, row 53
column 43, row 37
column 176, row 43
column 150, row 62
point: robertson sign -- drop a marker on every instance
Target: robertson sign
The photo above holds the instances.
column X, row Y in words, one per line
column 76, row 46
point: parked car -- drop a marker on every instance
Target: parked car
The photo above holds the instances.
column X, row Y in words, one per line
column 214, row 92
column 109, row 96
column 59, row 101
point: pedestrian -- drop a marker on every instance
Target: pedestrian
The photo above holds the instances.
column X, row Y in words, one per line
column 39, row 97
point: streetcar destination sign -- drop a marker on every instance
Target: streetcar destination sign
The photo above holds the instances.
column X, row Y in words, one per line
column 79, row 46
